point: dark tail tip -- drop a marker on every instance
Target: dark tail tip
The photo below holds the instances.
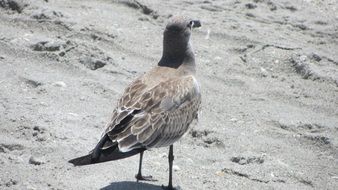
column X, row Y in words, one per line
column 81, row 161
column 93, row 156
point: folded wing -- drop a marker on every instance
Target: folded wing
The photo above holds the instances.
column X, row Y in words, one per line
column 155, row 117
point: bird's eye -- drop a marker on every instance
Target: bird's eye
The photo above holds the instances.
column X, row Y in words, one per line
column 194, row 24
column 191, row 24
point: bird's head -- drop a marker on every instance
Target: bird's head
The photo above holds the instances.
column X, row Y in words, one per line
column 177, row 35
column 179, row 25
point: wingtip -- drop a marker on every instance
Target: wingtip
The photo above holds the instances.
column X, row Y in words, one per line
column 81, row 161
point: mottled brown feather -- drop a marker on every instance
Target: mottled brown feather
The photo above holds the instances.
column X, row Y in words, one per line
column 167, row 107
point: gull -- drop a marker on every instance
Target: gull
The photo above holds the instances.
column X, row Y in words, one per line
column 157, row 108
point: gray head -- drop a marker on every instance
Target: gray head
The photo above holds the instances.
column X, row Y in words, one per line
column 176, row 46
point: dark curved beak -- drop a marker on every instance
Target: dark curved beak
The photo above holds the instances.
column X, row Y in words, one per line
column 196, row 23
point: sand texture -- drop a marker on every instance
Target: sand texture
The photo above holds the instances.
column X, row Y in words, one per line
column 268, row 71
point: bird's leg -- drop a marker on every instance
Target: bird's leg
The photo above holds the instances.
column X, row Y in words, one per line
column 139, row 176
column 171, row 159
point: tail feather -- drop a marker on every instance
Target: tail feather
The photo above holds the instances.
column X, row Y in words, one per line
column 81, row 161
column 105, row 156
column 99, row 155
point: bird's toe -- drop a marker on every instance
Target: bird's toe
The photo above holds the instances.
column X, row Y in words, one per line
column 140, row 177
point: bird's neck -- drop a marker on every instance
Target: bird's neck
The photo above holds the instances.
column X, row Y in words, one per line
column 178, row 57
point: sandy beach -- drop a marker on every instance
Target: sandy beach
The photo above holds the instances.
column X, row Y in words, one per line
column 268, row 72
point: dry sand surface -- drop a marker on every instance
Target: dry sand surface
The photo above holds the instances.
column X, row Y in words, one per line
column 269, row 77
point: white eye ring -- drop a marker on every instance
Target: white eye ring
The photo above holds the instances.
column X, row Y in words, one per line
column 192, row 24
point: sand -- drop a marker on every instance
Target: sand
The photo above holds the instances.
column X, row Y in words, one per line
column 269, row 77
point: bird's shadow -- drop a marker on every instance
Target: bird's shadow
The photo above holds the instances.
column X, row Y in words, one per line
column 131, row 185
